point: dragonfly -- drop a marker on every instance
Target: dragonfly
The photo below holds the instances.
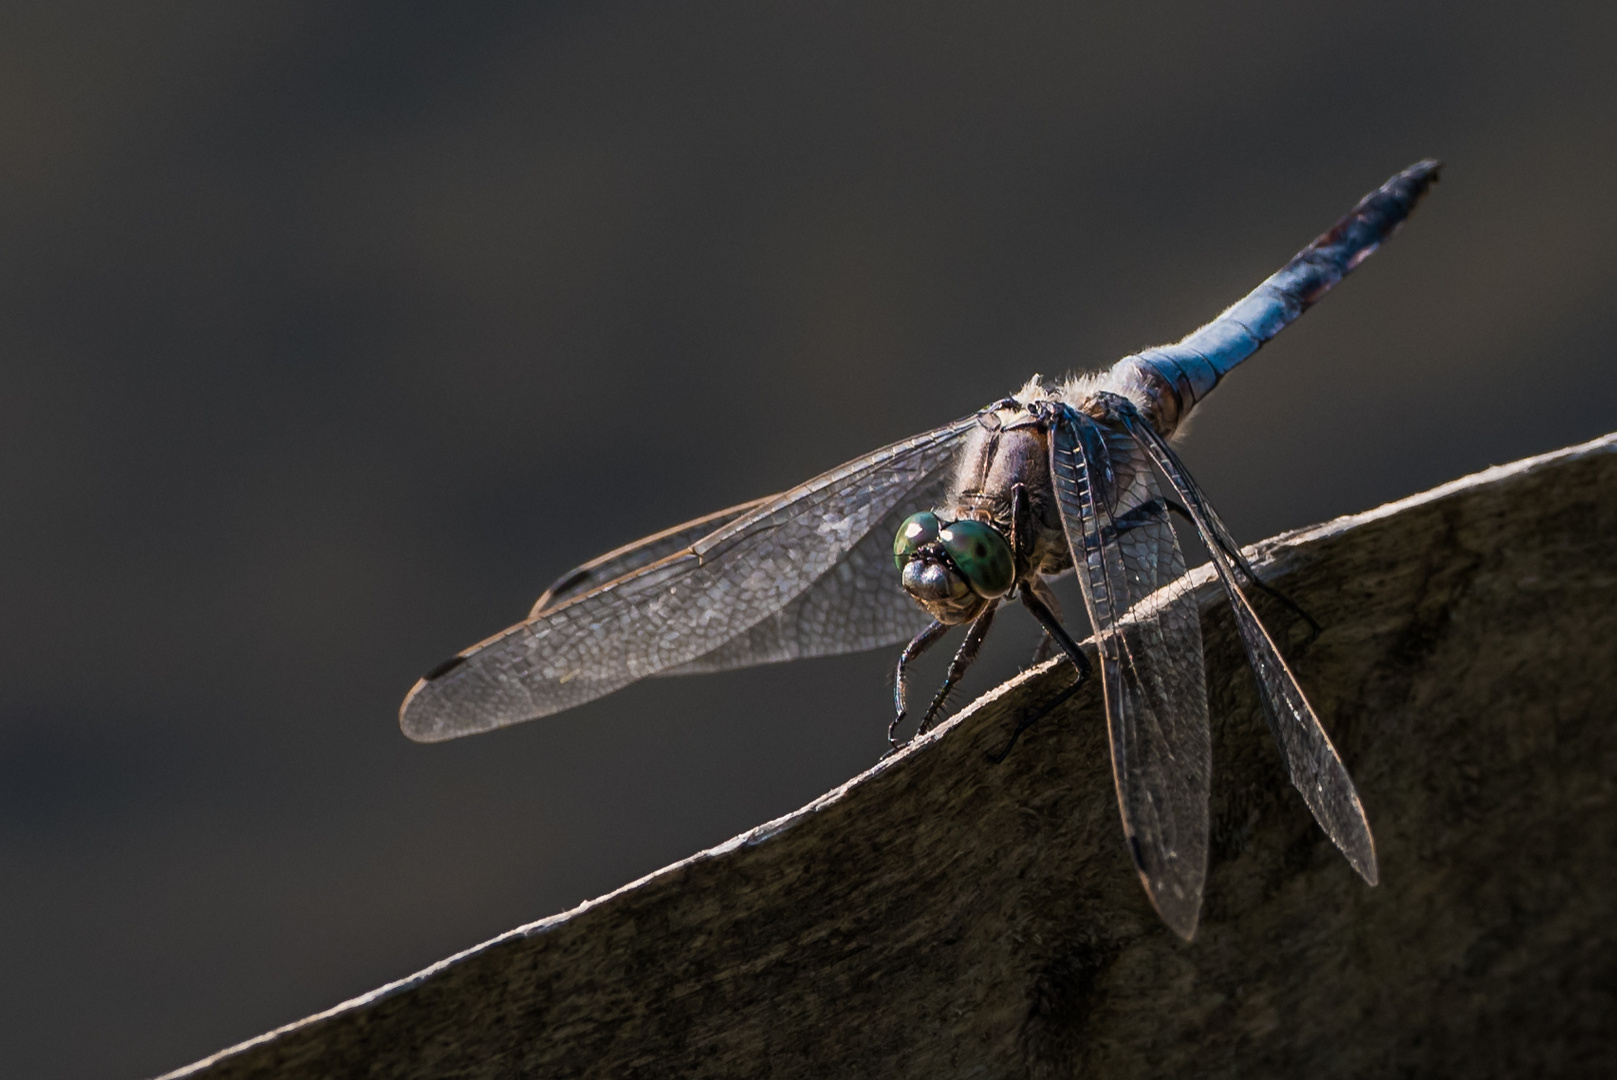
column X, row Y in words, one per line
column 942, row 529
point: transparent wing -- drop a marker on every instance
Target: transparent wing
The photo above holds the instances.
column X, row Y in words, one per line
column 630, row 557
column 856, row 605
column 1312, row 761
column 1149, row 637
column 686, row 605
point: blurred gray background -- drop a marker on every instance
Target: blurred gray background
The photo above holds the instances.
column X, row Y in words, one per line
column 330, row 334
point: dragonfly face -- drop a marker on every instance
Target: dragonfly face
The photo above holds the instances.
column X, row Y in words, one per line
column 1054, row 479
column 952, row 568
column 1001, row 529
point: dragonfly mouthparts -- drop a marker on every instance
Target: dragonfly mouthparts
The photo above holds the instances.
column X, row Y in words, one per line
column 931, row 580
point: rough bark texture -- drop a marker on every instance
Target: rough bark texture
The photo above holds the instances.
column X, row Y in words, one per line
column 938, row 917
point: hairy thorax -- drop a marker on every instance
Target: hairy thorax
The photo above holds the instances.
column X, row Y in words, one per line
column 1012, row 448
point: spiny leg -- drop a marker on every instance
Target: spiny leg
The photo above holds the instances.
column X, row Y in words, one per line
column 962, row 660
column 1058, row 633
column 1251, row 575
column 921, row 642
column 1047, row 645
column 1021, row 551
column 1021, row 526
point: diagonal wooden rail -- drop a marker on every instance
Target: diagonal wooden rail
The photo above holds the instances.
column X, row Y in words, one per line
column 936, row 917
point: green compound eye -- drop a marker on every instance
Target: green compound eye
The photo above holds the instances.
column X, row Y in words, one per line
column 982, row 556
column 917, row 530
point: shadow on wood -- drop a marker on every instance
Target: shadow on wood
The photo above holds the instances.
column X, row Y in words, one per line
column 941, row 917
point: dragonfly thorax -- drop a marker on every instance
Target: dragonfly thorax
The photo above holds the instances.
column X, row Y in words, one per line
column 1013, row 451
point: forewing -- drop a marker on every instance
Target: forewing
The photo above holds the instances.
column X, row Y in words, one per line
column 681, row 607
column 1148, row 632
column 1315, row 768
column 631, row 557
column 856, row 605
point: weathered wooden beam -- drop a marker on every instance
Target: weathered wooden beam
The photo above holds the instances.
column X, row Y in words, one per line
column 940, row 917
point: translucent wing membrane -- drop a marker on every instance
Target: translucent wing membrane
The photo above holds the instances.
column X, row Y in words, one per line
column 760, row 567
column 615, row 564
column 858, row 604
column 1149, row 637
column 1310, row 758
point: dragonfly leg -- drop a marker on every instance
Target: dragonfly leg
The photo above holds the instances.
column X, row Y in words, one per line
column 1058, row 633
column 1021, row 526
column 1251, row 575
column 1021, row 541
column 922, row 641
column 963, row 659
column 1053, row 627
column 1047, row 645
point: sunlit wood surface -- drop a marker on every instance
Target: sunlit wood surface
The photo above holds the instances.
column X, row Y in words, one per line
column 942, row 917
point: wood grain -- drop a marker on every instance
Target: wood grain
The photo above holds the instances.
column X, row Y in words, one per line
column 941, row 917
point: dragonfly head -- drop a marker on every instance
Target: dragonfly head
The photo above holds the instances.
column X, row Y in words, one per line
column 952, row 569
